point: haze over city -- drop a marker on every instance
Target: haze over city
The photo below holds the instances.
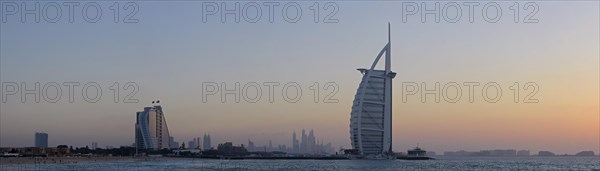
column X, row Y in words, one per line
column 170, row 53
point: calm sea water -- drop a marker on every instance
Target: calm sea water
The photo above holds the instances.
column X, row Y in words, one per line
column 441, row 163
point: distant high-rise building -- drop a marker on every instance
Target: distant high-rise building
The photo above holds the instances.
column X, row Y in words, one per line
column 192, row 144
column 371, row 116
column 207, row 142
column 94, row 145
column 303, row 144
column 173, row 144
column 307, row 144
column 281, row 148
column 151, row 131
column 295, row 145
column 251, row 146
column 41, row 139
column 198, row 145
column 310, row 143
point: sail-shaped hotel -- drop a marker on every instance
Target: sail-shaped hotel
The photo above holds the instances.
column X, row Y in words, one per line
column 371, row 116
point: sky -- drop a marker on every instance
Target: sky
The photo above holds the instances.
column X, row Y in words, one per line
column 170, row 53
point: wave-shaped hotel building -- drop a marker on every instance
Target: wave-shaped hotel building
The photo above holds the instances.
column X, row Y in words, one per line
column 371, row 116
column 151, row 131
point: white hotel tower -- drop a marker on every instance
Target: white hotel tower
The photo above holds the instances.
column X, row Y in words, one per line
column 371, row 116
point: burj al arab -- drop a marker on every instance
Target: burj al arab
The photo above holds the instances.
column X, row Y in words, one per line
column 371, row 116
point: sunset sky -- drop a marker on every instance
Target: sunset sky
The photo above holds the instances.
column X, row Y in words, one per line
column 170, row 52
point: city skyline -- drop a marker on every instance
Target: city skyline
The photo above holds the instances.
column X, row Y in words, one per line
column 318, row 147
column 559, row 54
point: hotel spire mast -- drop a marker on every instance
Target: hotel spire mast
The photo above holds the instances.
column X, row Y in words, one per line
column 387, row 137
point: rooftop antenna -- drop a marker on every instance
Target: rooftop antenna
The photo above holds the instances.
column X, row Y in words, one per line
column 388, row 59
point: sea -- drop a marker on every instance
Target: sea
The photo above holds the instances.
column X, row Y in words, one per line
column 440, row 163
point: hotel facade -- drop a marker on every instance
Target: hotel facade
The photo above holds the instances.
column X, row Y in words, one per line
column 371, row 116
column 151, row 131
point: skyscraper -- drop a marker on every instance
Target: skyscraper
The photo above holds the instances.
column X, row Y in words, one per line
column 295, row 145
column 94, row 145
column 251, row 146
column 151, row 131
column 310, row 142
column 173, row 144
column 303, row 140
column 371, row 116
column 41, row 139
column 192, row 144
column 206, row 142
column 197, row 142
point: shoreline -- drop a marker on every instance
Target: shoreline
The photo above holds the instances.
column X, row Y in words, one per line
column 76, row 160
column 83, row 160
